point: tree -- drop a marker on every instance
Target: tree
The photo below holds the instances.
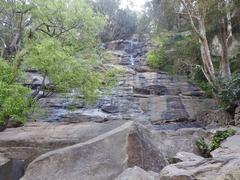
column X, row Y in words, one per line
column 64, row 71
column 121, row 23
column 13, row 21
column 197, row 12
column 58, row 39
column 124, row 24
column 163, row 13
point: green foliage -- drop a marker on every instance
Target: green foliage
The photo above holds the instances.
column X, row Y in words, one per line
column 163, row 13
column 187, row 48
column 205, row 149
column 179, row 54
column 74, row 23
column 57, row 38
column 172, row 54
column 229, row 91
column 156, row 59
column 14, row 100
column 64, row 71
column 199, row 78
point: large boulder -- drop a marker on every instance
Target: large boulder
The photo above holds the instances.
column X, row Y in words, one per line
column 36, row 138
column 216, row 47
column 101, row 158
column 142, row 150
column 170, row 143
column 137, row 173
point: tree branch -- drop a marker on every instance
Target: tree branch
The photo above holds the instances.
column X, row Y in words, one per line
column 191, row 19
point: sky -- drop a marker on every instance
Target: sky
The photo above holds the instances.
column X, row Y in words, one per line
column 137, row 4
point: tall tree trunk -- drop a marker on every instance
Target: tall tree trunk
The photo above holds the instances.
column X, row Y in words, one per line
column 205, row 53
column 225, row 65
column 225, row 37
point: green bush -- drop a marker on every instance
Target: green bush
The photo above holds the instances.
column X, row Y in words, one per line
column 229, row 91
column 205, row 149
column 176, row 54
column 157, row 58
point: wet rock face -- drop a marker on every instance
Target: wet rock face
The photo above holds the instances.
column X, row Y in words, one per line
column 152, row 90
column 143, row 95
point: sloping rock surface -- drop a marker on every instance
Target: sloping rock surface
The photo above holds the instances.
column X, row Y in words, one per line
column 100, row 158
column 36, row 138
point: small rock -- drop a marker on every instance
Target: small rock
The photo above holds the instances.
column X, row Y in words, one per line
column 110, row 109
column 186, row 156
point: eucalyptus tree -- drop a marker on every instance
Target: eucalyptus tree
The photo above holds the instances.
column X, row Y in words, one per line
column 13, row 21
column 163, row 13
column 121, row 23
column 197, row 11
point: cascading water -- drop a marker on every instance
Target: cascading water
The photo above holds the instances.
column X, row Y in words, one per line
column 131, row 50
column 132, row 60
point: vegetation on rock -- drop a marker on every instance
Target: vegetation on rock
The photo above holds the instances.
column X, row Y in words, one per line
column 205, row 149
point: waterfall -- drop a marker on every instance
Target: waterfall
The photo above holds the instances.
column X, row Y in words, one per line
column 132, row 60
column 132, row 51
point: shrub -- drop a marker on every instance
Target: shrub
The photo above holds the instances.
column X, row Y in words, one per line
column 205, row 149
column 173, row 56
column 229, row 91
column 156, row 59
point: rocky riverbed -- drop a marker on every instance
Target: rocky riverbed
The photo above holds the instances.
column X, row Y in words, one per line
column 131, row 134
